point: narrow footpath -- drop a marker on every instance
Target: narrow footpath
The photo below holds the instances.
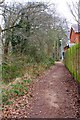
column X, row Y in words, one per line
column 53, row 95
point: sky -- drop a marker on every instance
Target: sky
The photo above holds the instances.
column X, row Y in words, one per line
column 61, row 6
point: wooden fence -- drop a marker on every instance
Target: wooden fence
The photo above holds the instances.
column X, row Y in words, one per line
column 72, row 61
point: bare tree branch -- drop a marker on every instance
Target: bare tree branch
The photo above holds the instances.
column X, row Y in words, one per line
column 2, row 1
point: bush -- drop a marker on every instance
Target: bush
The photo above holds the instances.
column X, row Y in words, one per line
column 11, row 71
column 17, row 65
column 49, row 62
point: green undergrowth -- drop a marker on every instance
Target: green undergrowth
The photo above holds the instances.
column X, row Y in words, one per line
column 18, row 67
column 13, row 91
column 72, row 61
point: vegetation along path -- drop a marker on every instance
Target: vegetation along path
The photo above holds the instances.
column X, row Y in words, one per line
column 53, row 95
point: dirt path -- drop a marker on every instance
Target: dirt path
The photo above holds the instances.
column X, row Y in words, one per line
column 53, row 95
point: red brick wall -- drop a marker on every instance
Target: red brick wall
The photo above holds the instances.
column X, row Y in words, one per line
column 75, row 37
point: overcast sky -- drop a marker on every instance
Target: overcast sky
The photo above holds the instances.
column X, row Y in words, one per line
column 61, row 6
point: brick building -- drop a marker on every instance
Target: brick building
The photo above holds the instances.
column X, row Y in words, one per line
column 75, row 34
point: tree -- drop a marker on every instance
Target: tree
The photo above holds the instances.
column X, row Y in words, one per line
column 32, row 29
column 75, row 10
column 2, row 1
